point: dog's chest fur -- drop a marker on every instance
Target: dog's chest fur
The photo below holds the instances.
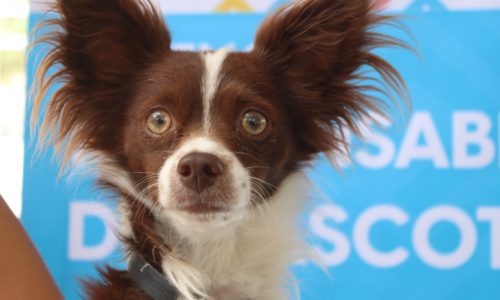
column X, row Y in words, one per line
column 252, row 260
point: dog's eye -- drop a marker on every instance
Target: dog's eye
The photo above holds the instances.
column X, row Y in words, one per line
column 159, row 122
column 254, row 122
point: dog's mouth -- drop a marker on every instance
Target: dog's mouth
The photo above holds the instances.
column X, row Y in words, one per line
column 202, row 214
column 209, row 202
column 202, row 208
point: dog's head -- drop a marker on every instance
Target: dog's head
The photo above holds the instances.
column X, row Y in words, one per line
column 202, row 137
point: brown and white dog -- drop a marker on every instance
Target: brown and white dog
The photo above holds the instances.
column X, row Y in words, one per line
column 206, row 150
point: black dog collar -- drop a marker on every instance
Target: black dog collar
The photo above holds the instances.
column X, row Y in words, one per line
column 152, row 282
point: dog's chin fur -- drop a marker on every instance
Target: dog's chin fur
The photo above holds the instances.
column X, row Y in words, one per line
column 244, row 255
column 253, row 121
column 247, row 257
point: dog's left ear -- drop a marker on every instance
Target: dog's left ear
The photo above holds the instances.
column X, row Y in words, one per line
column 99, row 50
column 316, row 48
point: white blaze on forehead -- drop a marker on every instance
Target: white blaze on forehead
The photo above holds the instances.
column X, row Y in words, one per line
column 213, row 63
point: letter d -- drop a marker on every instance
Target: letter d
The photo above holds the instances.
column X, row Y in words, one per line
column 77, row 249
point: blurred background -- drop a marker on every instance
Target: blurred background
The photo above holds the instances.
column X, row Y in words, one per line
column 414, row 215
column 13, row 42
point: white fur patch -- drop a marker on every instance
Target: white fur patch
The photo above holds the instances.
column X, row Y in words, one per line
column 247, row 259
column 252, row 260
column 187, row 279
column 213, row 64
column 125, row 217
column 98, row 164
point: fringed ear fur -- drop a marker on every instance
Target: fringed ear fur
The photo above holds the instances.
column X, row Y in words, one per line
column 319, row 51
column 97, row 49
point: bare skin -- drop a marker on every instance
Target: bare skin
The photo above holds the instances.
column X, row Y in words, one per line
column 23, row 275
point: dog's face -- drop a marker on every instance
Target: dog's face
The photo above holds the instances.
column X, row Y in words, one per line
column 219, row 139
column 202, row 138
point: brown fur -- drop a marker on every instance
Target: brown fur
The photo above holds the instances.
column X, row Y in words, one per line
column 114, row 284
column 98, row 49
column 316, row 50
column 114, row 61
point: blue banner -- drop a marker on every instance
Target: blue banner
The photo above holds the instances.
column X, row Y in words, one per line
column 416, row 215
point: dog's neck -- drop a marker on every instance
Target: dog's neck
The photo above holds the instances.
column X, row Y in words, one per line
column 246, row 261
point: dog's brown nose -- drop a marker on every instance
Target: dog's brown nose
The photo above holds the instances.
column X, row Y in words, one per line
column 199, row 171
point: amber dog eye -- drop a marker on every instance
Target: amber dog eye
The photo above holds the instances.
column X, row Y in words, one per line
column 159, row 122
column 254, row 122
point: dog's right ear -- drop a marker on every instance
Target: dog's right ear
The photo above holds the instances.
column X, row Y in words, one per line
column 98, row 50
column 319, row 52
column 102, row 39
